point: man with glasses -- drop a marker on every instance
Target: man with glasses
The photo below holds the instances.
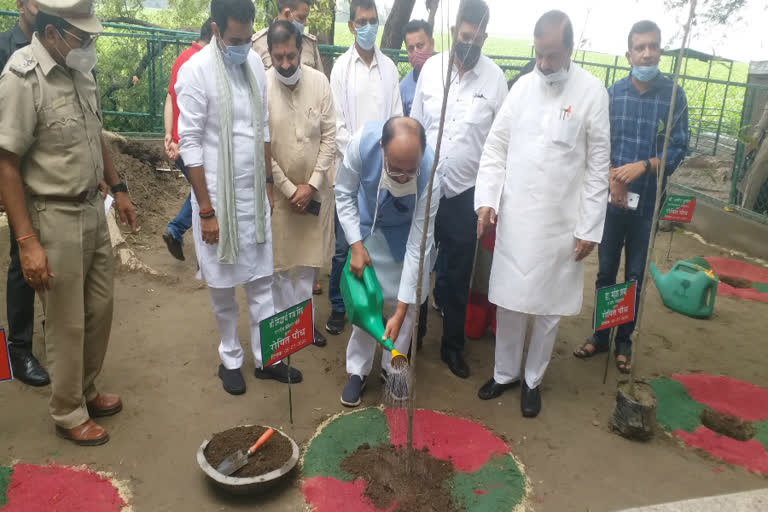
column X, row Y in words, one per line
column 477, row 93
column 225, row 142
column 20, row 297
column 52, row 160
column 381, row 191
column 296, row 12
column 365, row 88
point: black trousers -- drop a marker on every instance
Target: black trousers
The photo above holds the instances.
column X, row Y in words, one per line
column 456, row 235
column 20, row 304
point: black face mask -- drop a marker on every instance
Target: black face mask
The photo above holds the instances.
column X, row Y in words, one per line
column 287, row 73
column 468, row 54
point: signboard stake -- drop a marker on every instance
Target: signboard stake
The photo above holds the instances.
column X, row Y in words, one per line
column 611, row 343
column 290, row 396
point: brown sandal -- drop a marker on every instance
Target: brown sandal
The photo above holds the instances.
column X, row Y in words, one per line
column 623, row 366
column 583, row 353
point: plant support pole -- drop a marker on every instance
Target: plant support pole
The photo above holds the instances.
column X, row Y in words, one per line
column 660, row 174
column 422, row 250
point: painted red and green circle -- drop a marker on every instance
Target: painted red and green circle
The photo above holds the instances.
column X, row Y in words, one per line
column 487, row 476
column 31, row 488
column 682, row 398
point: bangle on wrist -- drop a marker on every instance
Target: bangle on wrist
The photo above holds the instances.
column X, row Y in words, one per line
column 207, row 214
column 25, row 237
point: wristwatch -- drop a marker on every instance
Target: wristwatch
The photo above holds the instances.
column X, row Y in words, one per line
column 120, row 187
column 270, row 179
column 647, row 165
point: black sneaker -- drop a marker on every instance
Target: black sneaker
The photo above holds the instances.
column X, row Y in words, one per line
column 232, row 380
column 174, row 246
column 279, row 372
column 319, row 340
column 336, row 322
column 350, row 395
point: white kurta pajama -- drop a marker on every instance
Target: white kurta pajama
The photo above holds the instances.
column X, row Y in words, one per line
column 544, row 170
column 398, row 280
column 199, row 140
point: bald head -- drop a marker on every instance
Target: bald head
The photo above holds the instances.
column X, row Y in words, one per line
column 403, row 141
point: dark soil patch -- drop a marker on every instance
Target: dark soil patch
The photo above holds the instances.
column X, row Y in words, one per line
column 156, row 195
column 271, row 456
column 727, row 425
column 423, row 488
column 736, row 282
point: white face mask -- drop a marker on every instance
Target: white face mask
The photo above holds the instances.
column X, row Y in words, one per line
column 290, row 80
column 82, row 59
column 409, row 188
column 556, row 78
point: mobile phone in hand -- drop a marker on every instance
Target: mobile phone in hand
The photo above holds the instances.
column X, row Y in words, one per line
column 313, row 208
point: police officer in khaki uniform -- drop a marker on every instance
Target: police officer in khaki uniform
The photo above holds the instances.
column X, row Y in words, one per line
column 295, row 11
column 52, row 159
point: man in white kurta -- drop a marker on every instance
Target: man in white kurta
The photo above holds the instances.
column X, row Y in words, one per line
column 477, row 92
column 302, row 126
column 381, row 196
column 365, row 87
column 223, row 67
column 544, row 171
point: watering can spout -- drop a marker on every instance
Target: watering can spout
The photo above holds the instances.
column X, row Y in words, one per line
column 657, row 276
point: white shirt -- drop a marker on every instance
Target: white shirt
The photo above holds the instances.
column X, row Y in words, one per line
column 199, row 143
column 544, row 169
column 473, row 103
column 374, row 91
column 398, row 280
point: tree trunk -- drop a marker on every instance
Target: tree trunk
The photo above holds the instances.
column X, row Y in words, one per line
column 432, row 9
column 394, row 30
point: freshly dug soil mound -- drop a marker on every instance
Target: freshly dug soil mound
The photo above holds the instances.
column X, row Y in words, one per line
column 736, row 282
column 421, row 488
column 271, row 456
column 727, row 425
column 156, row 195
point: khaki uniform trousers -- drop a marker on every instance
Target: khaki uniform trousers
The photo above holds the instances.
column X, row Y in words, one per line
column 78, row 307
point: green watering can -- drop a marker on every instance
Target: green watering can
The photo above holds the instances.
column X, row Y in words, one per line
column 687, row 289
column 365, row 305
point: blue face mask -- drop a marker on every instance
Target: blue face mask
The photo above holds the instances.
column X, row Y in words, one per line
column 645, row 73
column 237, row 55
column 366, row 36
column 298, row 25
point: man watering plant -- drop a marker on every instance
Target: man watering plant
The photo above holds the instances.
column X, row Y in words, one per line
column 544, row 171
column 639, row 106
column 225, row 142
column 381, row 195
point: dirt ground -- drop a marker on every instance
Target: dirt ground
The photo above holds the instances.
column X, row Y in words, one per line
column 163, row 361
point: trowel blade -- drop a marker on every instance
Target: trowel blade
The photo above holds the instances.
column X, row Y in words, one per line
column 232, row 463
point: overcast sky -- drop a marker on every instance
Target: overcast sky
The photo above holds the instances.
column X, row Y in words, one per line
column 606, row 23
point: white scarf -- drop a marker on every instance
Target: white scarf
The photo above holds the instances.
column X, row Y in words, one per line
column 226, row 213
column 350, row 104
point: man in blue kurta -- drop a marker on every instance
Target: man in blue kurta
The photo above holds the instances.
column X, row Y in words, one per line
column 381, row 194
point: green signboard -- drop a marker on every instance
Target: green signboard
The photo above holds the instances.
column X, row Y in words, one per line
column 615, row 305
column 678, row 208
column 286, row 332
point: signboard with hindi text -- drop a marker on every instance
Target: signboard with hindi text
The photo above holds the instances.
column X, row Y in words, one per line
column 678, row 208
column 286, row 332
column 615, row 305
column 5, row 361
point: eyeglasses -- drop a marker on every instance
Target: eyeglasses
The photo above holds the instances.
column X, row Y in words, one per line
column 85, row 41
column 398, row 173
column 363, row 22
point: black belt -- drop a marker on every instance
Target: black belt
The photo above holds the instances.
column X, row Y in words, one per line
column 79, row 198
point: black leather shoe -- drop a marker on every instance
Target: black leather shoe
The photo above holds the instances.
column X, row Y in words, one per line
column 28, row 370
column 455, row 362
column 530, row 402
column 279, row 372
column 493, row 389
column 173, row 245
column 320, row 340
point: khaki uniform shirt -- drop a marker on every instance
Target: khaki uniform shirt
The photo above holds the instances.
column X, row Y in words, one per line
column 50, row 118
column 310, row 55
column 302, row 124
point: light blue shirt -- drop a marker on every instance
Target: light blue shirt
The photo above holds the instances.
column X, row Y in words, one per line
column 407, row 92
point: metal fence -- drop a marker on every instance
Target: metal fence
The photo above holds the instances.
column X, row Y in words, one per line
column 135, row 64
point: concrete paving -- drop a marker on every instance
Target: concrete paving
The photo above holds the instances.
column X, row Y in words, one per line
column 754, row 501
